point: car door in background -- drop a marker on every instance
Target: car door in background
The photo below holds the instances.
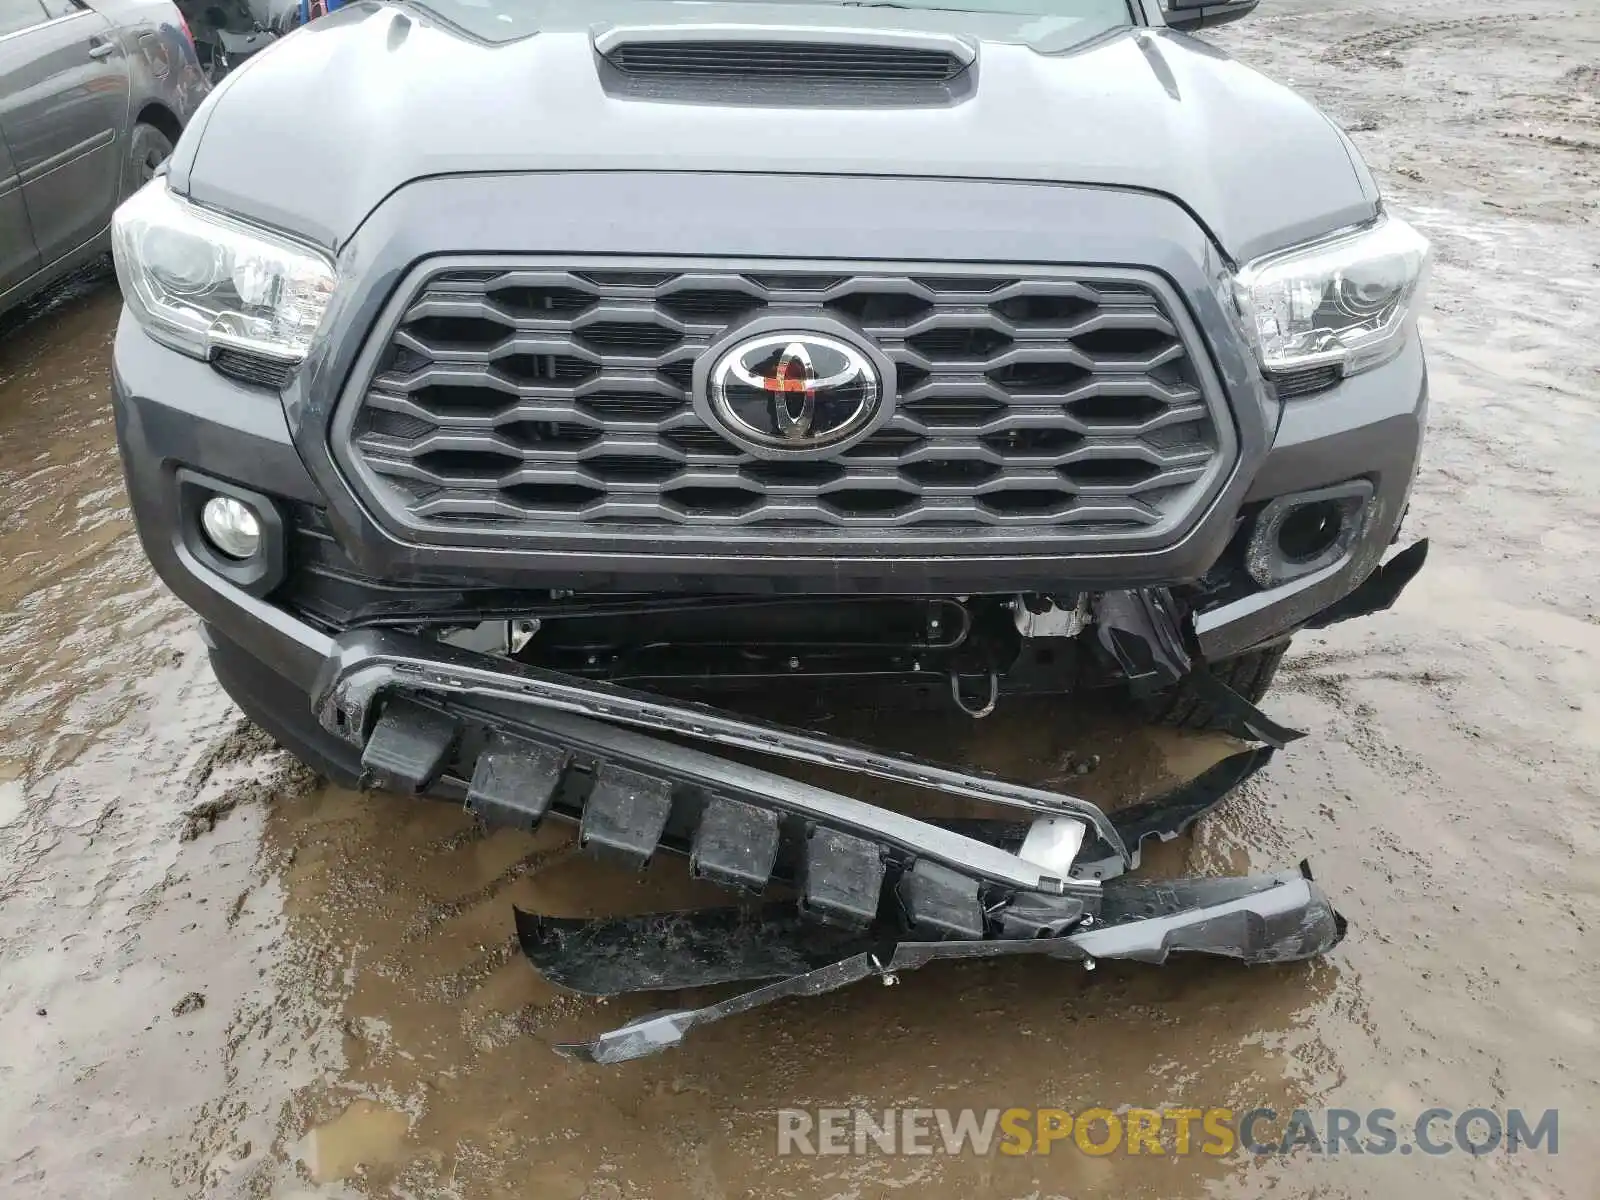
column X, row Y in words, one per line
column 64, row 116
column 18, row 256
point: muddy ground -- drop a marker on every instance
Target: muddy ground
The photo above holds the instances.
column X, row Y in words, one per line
column 219, row 979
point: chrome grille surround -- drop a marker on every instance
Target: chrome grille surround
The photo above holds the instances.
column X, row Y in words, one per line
column 538, row 400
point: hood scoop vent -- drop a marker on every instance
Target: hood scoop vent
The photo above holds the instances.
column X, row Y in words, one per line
column 774, row 54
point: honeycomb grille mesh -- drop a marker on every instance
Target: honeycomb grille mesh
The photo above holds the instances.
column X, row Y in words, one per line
column 538, row 399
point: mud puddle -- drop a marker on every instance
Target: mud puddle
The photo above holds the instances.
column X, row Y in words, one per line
column 219, row 979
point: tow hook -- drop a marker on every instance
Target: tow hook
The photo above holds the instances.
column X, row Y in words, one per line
column 976, row 709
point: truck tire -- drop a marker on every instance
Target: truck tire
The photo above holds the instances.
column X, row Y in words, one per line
column 148, row 148
column 1250, row 675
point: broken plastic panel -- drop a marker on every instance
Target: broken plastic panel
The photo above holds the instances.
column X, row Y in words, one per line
column 1262, row 919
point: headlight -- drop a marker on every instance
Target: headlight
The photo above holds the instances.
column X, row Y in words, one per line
column 1345, row 301
column 200, row 281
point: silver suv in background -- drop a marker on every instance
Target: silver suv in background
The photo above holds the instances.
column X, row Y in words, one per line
column 92, row 100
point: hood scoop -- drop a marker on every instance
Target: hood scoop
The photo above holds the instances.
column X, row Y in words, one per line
column 774, row 54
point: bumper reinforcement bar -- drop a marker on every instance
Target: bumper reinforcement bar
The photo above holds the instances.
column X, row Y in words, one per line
column 849, row 862
column 514, row 763
column 365, row 664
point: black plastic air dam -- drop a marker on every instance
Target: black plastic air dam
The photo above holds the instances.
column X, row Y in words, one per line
column 1257, row 920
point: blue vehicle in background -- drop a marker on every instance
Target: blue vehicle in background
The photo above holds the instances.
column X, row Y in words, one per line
column 227, row 32
column 310, row 10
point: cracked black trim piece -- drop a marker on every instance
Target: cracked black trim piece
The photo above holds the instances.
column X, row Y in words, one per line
column 1262, row 919
column 1173, row 813
column 1140, row 631
column 1237, row 715
column 1378, row 591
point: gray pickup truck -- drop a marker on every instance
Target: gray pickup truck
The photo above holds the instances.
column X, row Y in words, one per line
column 497, row 381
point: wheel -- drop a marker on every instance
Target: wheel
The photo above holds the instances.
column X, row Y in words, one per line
column 1250, row 675
column 148, row 148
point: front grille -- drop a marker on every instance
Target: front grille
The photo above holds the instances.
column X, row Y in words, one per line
column 531, row 401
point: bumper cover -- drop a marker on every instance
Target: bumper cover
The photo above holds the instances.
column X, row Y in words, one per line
column 877, row 892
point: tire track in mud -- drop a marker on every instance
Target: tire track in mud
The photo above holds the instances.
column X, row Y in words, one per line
column 1355, row 720
column 434, row 913
column 1369, row 49
column 231, row 772
column 1483, row 109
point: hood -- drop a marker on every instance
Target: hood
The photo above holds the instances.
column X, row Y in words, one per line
column 311, row 135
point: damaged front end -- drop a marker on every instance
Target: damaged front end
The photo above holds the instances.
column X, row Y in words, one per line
column 868, row 891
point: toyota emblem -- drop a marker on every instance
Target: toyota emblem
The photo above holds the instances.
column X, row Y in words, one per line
column 793, row 390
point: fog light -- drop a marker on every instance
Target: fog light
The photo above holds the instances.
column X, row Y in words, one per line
column 232, row 527
column 1297, row 535
column 1309, row 530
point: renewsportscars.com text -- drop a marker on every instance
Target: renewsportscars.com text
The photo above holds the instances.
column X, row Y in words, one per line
column 1171, row 1131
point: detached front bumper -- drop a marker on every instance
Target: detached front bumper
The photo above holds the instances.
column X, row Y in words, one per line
column 873, row 892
